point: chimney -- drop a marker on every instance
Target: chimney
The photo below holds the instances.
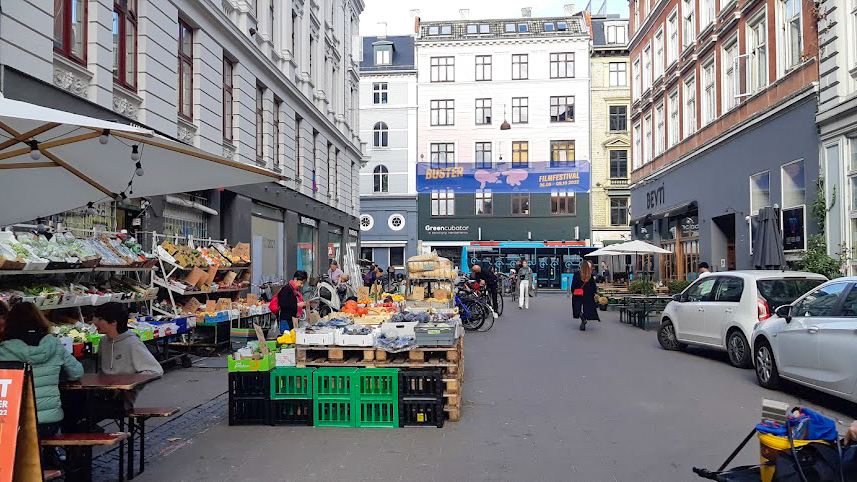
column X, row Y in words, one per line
column 527, row 12
column 568, row 8
column 384, row 35
column 414, row 12
column 464, row 13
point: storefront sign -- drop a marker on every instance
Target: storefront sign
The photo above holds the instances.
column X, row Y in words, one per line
column 352, row 232
column 794, row 229
column 458, row 229
column 335, row 230
column 689, row 227
column 331, row 251
column 309, row 221
column 655, row 197
column 503, row 178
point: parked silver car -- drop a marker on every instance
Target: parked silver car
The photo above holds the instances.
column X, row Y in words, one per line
column 812, row 341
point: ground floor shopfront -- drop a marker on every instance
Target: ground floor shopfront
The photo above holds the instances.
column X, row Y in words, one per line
column 704, row 208
column 388, row 226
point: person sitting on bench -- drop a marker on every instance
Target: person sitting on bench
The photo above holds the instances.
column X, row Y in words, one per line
column 26, row 339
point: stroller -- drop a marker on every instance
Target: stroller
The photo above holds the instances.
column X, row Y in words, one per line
column 815, row 455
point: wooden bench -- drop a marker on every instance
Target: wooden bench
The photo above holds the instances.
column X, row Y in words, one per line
column 137, row 425
column 79, row 451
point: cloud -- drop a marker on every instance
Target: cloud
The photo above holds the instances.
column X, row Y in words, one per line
column 397, row 16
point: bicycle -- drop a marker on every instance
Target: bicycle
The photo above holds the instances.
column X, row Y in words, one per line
column 476, row 315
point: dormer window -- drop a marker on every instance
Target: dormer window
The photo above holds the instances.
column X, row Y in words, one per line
column 510, row 28
column 484, row 28
column 549, row 27
column 522, row 27
column 472, row 29
column 383, row 53
column 434, row 30
column 446, row 30
column 562, row 26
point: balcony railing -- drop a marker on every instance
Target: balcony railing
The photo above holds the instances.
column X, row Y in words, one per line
column 618, row 182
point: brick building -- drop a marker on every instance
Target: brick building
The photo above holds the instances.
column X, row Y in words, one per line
column 722, row 124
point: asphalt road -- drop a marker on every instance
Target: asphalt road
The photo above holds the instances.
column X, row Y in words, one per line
column 542, row 401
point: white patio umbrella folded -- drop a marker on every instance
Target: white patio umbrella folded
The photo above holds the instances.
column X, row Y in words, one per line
column 52, row 161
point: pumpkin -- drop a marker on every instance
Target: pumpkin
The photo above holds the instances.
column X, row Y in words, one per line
column 362, row 311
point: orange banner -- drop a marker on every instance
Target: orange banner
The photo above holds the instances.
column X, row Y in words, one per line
column 11, row 388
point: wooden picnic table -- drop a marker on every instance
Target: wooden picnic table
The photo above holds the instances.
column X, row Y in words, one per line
column 102, row 381
column 639, row 307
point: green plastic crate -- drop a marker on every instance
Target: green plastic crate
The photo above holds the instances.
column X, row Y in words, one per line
column 377, row 413
column 265, row 364
column 376, row 384
column 333, row 383
column 333, row 413
column 291, row 382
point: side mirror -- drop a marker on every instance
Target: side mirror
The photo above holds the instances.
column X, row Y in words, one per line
column 678, row 298
column 784, row 312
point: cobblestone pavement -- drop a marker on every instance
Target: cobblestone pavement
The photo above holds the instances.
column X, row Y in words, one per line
column 542, row 401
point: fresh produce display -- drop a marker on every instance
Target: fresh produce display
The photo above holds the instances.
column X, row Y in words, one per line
column 227, row 252
column 213, row 257
column 185, row 256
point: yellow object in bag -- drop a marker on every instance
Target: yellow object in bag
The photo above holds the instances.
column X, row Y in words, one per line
column 287, row 338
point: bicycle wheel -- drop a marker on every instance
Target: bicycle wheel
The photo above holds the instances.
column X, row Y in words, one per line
column 499, row 306
column 488, row 320
column 471, row 313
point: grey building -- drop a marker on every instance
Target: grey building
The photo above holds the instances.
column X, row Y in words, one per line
column 837, row 124
column 388, row 121
column 270, row 83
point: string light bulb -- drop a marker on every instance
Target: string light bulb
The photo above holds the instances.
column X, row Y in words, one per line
column 135, row 153
column 104, row 137
column 90, row 208
column 34, row 151
column 139, row 171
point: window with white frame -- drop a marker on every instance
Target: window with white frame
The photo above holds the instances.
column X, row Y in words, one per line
column 382, row 56
column 760, row 191
column 636, row 88
column 852, row 20
column 647, row 139
column 660, row 129
column 442, row 112
column 672, row 37
column 794, row 184
column 757, row 50
column 790, row 41
column 689, row 114
column 706, row 13
column 443, row 202
column 618, row 74
column 616, row 34
column 380, row 179
column 380, row 135
column 562, row 202
column 647, row 67
column 658, row 69
column 618, row 118
column 709, row 92
column 379, row 92
column 688, row 22
column 673, row 126
column 638, row 144
column 730, row 77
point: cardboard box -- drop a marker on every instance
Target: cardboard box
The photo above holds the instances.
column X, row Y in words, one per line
column 210, row 306
column 418, row 293
column 442, row 294
column 212, row 272
column 363, row 293
column 224, row 304
column 229, row 278
column 196, row 277
column 192, row 305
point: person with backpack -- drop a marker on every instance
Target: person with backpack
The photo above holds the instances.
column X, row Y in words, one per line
column 369, row 276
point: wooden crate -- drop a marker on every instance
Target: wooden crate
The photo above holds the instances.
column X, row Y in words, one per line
column 310, row 355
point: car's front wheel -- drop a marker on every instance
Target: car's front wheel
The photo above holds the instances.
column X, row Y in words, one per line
column 738, row 349
column 667, row 336
column 766, row 366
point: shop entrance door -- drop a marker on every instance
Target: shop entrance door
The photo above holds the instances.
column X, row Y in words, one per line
column 267, row 243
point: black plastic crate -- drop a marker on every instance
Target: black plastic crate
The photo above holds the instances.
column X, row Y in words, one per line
column 421, row 384
column 421, row 413
column 249, row 411
column 249, row 384
column 291, row 411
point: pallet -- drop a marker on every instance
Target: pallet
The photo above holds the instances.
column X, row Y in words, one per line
column 335, row 354
column 419, row 354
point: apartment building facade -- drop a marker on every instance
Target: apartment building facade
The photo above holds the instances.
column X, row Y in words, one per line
column 266, row 82
column 504, row 142
column 388, row 121
column 723, row 111
column 611, row 140
column 837, row 124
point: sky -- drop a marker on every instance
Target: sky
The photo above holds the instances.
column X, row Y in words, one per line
column 396, row 13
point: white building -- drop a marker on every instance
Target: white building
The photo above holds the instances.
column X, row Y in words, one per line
column 476, row 75
column 270, row 82
column 388, row 123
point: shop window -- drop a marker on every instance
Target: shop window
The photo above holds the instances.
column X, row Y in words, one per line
column 380, row 179
column 794, row 184
column 306, row 248
column 125, row 43
column 562, row 154
column 367, row 253
column 70, row 28
column 484, row 204
column 185, row 77
column 562, row 202
column 521, row 204
column 397, row 256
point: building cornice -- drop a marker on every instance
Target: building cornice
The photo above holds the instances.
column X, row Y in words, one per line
column 500, row 41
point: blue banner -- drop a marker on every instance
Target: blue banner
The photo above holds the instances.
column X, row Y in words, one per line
column 502, row 178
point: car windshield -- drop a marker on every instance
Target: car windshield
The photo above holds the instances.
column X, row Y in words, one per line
column 778, row 292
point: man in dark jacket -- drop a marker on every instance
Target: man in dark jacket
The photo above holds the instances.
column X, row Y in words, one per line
column 487, row 278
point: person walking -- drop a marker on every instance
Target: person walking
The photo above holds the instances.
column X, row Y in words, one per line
column 291, row 301
column 605, row 271
column 525, row 274
column 583, row 289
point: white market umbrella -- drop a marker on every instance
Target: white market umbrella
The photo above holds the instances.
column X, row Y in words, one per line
column 637, row 247
column 604, row 252
column 52, row 161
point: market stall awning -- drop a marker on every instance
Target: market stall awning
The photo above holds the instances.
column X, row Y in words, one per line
column 52, row 161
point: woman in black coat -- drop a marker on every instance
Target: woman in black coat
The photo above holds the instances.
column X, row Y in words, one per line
column 291, row 302
column 584, row 289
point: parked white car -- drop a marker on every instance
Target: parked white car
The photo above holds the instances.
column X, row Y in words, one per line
column 719, row 310
column 812, row 341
